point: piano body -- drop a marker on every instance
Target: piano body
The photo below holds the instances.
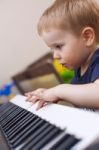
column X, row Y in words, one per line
column 53, row 127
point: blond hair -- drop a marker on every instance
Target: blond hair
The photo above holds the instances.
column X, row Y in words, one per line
column 71, row 15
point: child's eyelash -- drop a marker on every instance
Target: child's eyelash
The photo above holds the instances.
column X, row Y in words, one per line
column 58, row 46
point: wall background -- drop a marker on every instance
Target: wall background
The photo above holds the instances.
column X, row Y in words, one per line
column 19, row 42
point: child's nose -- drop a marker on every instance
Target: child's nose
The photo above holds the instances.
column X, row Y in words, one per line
column 56, row 55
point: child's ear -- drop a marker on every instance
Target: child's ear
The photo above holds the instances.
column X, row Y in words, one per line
column 88, row 34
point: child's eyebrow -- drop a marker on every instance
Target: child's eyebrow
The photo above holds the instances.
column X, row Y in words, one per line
column 55, row 44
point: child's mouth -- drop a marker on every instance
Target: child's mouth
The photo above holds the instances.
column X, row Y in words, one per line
column 66, row 66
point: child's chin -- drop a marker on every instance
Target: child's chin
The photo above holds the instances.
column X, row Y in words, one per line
column 69, row 67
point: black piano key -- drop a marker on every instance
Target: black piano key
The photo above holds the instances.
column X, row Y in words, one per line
column 25, row 130
column 66, row 144
column 64, row 138
column 4, row 120
column 22, row 111
column 31, row 131
column 34, row 135
column 21, row 126
column 4, row 106
column 38, row 138
column 54, row 133
column 13, row 128
column 11, row 117
column 6, row 124
column 15, row 121
column 21, row 121
column 5, row 113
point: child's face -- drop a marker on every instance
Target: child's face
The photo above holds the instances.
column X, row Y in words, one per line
column 68, row 48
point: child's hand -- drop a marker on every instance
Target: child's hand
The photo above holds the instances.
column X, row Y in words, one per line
column 42, row 95
column 34, row 95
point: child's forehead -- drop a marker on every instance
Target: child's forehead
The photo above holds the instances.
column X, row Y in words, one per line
column 57, row 33
column 57, row 36
column 54, row 31
column 53, row 35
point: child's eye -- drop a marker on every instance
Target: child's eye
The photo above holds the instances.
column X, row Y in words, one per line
column 58, row 47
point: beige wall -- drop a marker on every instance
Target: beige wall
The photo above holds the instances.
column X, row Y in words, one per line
column 19, row 42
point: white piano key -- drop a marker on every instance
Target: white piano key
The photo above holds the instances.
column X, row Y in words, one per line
column 21, row 101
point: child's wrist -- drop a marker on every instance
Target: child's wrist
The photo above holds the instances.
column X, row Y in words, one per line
column 56, row 91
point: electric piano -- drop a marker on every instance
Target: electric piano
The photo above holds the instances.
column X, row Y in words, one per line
column 53, row 127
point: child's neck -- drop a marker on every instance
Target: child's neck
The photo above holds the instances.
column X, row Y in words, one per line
column 84, row 67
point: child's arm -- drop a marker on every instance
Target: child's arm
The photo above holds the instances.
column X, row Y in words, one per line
column 86, row 95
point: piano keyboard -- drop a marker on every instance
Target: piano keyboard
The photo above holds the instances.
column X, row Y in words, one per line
column 54, row 127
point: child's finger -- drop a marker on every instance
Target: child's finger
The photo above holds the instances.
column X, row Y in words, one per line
column 40, row 104
column 29, row 97
column 29, row 93
column 34, row 99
